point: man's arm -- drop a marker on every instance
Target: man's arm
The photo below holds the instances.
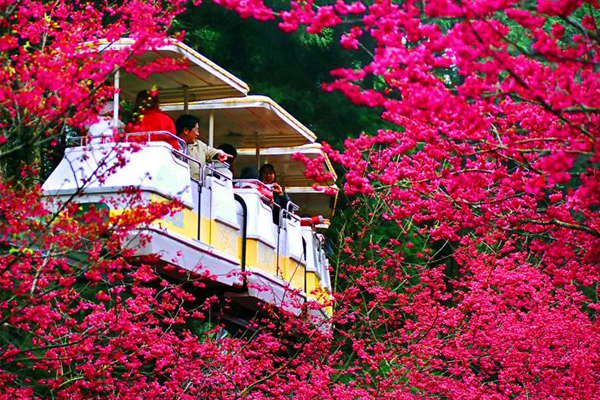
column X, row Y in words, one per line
column 211, row 153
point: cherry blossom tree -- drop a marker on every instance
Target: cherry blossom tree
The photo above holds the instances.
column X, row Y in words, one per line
column 54, row 78
column 81, row 317
column 489, row 289
column 485, row 284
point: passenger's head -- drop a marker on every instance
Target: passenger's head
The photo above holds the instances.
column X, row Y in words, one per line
column 267, row 174
column 187, row 128
column 145, row 101
column 249, row 173
column 229, row 149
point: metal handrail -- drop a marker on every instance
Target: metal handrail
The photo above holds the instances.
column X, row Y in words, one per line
column 211, row 168
column 288, row 214
column 189, row 158
column 181, row 142
column 200, row 185
column 254, row 181
column 127, row 135
column 237, row 182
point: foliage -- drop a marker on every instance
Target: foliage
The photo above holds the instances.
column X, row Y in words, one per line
column 80, row 315
column 289, row 68
column 495, row 165
column 54, row 76
column 491, row 175
column 81, row 318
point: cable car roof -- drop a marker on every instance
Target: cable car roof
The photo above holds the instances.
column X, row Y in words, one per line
column 201, row 80
column 313, row 201
column 290, row 172
column 251, row 121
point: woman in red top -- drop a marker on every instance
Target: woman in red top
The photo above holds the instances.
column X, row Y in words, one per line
column 149, row 118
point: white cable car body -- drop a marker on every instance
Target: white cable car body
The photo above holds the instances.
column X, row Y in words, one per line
column 225, row 230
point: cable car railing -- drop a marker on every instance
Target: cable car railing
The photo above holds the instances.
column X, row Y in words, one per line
column 125, row 137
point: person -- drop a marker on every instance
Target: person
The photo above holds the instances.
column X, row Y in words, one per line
column 229, row 149
column 149, row 118
column 102, row 131
column 314, row 220
column 187, row 128
column 251, row 174
column 268, row 177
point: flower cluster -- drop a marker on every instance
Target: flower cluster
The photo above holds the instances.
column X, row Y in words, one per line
column 474, row 268
column 471, row 268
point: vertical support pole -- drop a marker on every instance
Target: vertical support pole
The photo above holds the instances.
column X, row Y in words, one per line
column 211, row 128
column 257, row 150
column 115, row 121
column 200, row 205
column 185, row 100
column 281, row 178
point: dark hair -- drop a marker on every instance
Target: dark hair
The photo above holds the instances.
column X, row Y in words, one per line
column 249, row 173
column 265, row 167
column 229, row 149
column 145, row 101
column 186, row 121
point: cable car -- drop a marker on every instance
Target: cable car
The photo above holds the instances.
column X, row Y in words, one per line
column 225, row 230
column 312, row 201
column 263, row 131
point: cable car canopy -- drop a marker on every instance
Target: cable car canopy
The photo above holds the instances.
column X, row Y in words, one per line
column 202, row 79
column 291, row 175
column 247, row 122
column 290, row 172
